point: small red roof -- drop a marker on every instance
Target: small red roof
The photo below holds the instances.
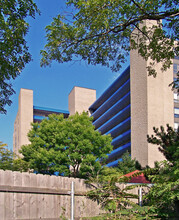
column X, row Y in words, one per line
column 137, row 179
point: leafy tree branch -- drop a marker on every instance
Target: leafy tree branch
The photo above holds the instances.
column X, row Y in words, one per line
column 100, row 33
column 14, row 53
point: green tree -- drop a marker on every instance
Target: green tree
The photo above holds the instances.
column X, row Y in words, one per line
column 168, row 142
column 164, row 195
column 57, row 143
column 162, row 200
column 99, row 31
column 116, row 199
column 6, row 157
column 127, row 164
column 9, row 161
column 13, row 47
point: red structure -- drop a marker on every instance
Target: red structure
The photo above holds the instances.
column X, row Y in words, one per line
column 137, row 178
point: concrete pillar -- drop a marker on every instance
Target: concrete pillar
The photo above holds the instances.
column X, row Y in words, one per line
column 80, row 99
column 23, row 120
column 151, row 105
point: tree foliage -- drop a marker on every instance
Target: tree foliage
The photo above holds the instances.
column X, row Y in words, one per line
column 164, row 195
column 5, row 157
column 13, row 47
column 128, row 164
column 57, row 143
column 168, row 142
column 162, row 200
column 111, row 196
column 117, row 199
column 9, row 161
column 99, row 31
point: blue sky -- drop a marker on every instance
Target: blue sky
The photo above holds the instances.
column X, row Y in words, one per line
column 51, row 85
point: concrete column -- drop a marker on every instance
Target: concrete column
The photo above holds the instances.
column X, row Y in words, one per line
column 151, row 105
column 80, row 99
column 23, row 120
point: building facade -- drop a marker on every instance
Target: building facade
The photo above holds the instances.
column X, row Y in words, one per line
column 112, row 115
column 132, row 106
column 176, row 95
column 128, row 109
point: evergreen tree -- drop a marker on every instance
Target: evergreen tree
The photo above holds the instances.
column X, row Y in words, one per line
column 128, row 164
column 164, row 195
column 168, row 142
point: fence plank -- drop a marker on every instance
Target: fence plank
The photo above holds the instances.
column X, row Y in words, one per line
column 48, row 212
column 53, row 199
column 33, row 197
column 25, row 197
column 17, row 196
column 2, row 196
column 40, row 197
column 9, row 197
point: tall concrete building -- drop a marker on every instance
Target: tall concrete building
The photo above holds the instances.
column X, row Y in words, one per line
column 128, row 110
column 79, row 100
column 133, row 105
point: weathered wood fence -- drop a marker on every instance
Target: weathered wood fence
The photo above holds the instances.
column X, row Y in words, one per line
column 28, row 196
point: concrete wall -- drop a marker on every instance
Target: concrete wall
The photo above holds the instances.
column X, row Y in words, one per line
column 80, row 99
column 23, row 120
column 151, row 105
column 34, row 196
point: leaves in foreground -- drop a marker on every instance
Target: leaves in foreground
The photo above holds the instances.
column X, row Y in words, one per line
column 14, row 54
column 117, row 199
column 102, row 32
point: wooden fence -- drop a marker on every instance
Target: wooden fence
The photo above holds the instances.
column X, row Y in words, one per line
column 27, row 196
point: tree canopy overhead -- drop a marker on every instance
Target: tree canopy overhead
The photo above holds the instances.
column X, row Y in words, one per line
column 99, row 31
column 13, row 47
column 58, row 143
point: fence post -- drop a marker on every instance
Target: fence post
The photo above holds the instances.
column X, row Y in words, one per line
column 72, row 200
column 140, row 196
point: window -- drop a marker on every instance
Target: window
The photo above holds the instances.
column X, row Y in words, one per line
column 176, row 125
column 175, row 68
column 176, row 97
column 176, row 112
